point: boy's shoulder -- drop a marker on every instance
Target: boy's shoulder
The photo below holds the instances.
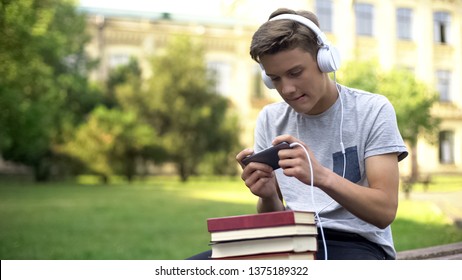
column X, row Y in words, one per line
column 361, row 99
column 363, row 95
column 276, row 107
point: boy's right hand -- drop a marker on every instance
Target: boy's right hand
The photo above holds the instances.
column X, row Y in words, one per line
column 258, row 177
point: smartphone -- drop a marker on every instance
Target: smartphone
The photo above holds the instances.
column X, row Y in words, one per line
column 268, row 156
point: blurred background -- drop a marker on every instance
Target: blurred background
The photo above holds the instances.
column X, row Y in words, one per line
column 152, row 100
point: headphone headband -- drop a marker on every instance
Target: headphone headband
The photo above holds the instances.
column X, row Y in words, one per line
column 322, row 39
column 328, row 57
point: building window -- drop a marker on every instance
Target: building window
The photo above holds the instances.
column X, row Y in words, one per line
column 364, row 19
column 446, row 147
column 404, row 23
column 221, row 72
column 441, row 27
column 443, row 84
column 324, row 13
column 116, row 60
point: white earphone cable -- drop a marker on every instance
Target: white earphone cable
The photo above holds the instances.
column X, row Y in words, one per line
column 312, row 175
column 341, row 125
column 341, row 137
column 318, row 218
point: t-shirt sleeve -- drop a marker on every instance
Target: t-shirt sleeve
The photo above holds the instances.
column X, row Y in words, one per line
column 260, row 133
column 384, row 136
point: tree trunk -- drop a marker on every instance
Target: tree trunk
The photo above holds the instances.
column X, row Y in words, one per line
column 414, row 164
column 130, row 166
column 184, row 174
column 104, row 179
column 42, row 170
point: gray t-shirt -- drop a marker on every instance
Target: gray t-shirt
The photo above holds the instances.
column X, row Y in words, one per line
column 369, row 128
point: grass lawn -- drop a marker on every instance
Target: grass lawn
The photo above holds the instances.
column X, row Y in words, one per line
column 155, row 219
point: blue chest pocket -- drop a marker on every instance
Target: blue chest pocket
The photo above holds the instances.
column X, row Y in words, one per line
column 352, row 171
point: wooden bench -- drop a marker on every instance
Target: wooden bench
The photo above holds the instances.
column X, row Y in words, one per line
column 451, row 251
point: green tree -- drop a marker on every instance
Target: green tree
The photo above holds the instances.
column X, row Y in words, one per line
column 223, row 161
column 361, row 75
column 44, row 90
column 124, row 90
column 110, row 142
column 124, row 82
column 411, row 98
column 182, row 104
column 115, row 139
column 413, row 101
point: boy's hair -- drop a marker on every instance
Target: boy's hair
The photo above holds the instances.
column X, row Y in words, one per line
column 280, row 35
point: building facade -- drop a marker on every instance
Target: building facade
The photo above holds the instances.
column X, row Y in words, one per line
column 424, row 36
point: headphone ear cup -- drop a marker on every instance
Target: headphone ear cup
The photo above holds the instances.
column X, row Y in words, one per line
column 266, row 79
column 328, row 59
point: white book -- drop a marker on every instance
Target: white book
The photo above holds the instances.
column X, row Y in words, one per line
column 266, row 232
column 300, row 243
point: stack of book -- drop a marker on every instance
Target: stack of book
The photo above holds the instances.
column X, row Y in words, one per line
column 271, row 235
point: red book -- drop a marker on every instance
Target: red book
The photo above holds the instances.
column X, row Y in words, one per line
column 267, row 219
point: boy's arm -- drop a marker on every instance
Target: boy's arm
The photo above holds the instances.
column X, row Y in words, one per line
column 271, row 204
column 376, row 204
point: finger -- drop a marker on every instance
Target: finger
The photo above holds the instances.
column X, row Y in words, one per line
column 283, row 138
column 259, row 188
column 298, row 173
column 255, row 171
column 241, row 155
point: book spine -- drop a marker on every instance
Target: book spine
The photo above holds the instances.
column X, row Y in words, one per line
column 245, row 222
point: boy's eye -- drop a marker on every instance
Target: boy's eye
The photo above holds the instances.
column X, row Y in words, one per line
column 296, row 73
column 293, row 73
column 274, row 78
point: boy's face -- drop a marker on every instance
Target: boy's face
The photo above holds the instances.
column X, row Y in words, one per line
column 297, row 78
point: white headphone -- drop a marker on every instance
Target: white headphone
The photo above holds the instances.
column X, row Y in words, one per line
column 328, row 57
